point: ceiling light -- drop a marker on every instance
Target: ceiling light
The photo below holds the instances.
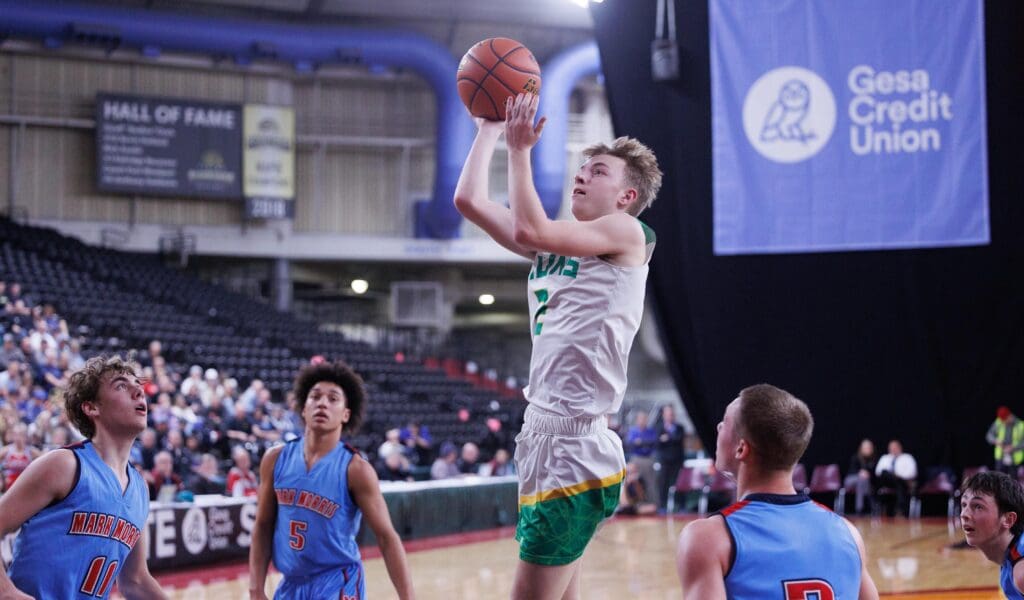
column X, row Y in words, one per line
column 360, row 286
column 486, row 299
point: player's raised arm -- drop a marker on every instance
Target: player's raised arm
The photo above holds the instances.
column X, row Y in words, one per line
column 603, row 228
column 471, row 193
column 48, row 479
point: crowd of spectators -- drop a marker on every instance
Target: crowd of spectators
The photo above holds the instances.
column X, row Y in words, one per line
column 205, row 434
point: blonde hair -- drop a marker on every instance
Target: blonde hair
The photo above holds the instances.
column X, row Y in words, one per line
column 84, row 386
column 642, row 170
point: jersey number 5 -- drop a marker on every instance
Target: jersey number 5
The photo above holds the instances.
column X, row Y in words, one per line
column 97, row 580
column 296, row 540
column 808, row 589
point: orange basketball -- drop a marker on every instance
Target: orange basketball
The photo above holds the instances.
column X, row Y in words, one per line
column 493, row 70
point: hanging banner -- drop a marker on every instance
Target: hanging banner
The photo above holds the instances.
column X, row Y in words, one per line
column 168, row 147
column 848, row 125
column 269, row 161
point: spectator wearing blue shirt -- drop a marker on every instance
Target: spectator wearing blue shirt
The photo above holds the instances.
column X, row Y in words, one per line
column 641, row 442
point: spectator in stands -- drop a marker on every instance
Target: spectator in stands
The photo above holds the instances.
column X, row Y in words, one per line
column 15, row 294
column 262, row 427
column 50, row 373
column 180, row 455
column 213, row 387
column 1006, row 435
column 74, row 355
column 242, row 480
column 500, row 465
column 391, row 445
column 394, row 468
column 897, row 471
column 164, row 483
column 632, row 495
column 495, row 438
column 469, row 459
column 10, row 352
column 32, row 404
column 3, row 294
column 41, row 339
column 206, row 477
column 239, row 426
column 860, row 477
column 155, row 349
column 417, row 439
column 283, row 422
column 251, row 394
column 10, row 379
column 17, row 454
column 161, row 410
column 147, row 445
column 669, row 453
column 641, row 442
column 58, row 437
column 444, row 467
column 183, row 412
column 191, row 386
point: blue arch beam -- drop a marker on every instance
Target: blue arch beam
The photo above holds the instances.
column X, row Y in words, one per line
column 151, row 32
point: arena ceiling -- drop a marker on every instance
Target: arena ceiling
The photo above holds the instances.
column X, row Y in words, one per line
column 545, row 26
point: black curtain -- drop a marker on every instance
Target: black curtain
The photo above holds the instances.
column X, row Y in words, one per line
column 920, row 345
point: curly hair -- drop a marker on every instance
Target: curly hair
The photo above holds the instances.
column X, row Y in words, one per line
column 84, row 386
column 347, row 379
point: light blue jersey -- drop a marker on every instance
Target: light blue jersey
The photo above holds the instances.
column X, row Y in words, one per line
column 75, row 548
column 1013, row 555
column 317, row 521
column 790, row 548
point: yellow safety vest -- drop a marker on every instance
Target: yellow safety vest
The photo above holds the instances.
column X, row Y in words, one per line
column 1017, row 435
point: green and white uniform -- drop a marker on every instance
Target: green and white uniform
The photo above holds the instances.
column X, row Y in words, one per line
column 585, row 313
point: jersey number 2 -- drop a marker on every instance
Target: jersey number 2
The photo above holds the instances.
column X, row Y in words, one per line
column 297, row 541
column 97, row 580
column 808, row 589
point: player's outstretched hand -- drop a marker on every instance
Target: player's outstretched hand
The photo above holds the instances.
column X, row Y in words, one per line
column 258, row 595
column 520, row 132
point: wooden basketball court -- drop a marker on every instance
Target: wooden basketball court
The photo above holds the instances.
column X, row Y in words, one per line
column 634, row 558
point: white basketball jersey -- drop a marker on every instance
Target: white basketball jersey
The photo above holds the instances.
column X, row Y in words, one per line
column 584, row 314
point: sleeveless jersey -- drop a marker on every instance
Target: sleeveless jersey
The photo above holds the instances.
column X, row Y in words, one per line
column 75, row 548
column 317, row 519
column 584, row 314
column 1013, row 555
column 15, row 462
column 788, row 547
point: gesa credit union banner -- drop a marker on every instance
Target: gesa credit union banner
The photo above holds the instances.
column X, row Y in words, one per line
column 841, row 125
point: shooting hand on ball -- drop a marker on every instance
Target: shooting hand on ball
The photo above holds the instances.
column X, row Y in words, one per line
column 520, row 132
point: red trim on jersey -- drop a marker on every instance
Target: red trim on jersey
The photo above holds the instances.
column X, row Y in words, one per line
column 725, row 512
column 1015, row 555
column 822, row 505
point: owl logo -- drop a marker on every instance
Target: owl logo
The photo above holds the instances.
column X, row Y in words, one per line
column 785, row 117
column 789, row 114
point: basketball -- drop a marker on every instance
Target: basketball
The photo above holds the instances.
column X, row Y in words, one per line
column 493, row 70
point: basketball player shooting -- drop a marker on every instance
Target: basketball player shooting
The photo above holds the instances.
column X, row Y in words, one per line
column 586, row 296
